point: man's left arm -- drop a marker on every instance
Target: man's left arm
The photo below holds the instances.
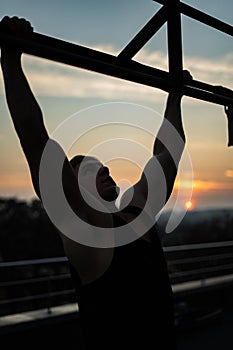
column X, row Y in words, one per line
column 156, row 183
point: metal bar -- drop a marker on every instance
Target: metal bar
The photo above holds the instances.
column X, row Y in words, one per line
column 165, row 75
column 34, row 280
column 38, row 296
column 79, row 56
column 33, row 262
column 200, row 259
column 175, row 59
column 207, row 96
column 202, row 270
column 144, row 35
column 197, row 246
column 202, row 17
column 206, row 19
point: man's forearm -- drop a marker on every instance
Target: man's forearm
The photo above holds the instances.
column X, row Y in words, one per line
column 25, row 113
column 172, row 117
column 22, row 104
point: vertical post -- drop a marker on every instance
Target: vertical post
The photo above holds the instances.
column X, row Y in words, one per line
column 175, row 58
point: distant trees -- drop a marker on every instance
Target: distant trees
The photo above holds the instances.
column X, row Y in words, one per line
column 26, row 231
column 203, row 226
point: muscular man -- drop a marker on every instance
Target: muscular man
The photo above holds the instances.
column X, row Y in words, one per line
column 124, row 293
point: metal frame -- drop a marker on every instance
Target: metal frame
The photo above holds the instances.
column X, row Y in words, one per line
column 122, row 66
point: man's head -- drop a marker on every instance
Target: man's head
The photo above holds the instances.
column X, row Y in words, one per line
column 94, row 176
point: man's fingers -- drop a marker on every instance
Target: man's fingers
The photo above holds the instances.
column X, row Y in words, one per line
column 4, row 23
column 187, row 77
column 16, row 25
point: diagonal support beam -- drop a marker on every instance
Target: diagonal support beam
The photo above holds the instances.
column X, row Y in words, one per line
column 145, row 34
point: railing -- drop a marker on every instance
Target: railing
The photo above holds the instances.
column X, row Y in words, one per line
column 199, row 261
column 35, row 284
column 44, row 283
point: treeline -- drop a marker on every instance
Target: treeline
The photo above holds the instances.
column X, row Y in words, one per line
column 199, row 226
column 26, row 231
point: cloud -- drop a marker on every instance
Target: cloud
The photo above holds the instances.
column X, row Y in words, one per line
column 54, row 79
column 216, row 71
column 212, row 71
column 16, row 180
column 229, row 173
column 212, row 185
column 203, row 185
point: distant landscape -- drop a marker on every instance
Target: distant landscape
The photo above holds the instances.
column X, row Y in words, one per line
column 199, row 226
column 27, row 233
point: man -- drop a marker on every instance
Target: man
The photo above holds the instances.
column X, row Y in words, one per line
column 124, row 294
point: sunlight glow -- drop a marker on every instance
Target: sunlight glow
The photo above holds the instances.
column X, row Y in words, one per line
column 189, row 205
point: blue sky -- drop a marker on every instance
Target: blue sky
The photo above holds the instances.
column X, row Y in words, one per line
column 109, row 26
column 115, row 22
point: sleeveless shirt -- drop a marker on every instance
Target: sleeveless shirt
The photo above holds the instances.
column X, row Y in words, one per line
column 131, row 305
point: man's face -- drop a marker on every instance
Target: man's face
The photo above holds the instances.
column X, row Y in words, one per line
column 95, row 177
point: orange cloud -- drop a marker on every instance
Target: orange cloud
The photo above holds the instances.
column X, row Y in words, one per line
column 201, row 185
column 229, row 173
column 14, row 180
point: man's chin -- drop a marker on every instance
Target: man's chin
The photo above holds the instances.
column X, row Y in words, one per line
column 111, row 194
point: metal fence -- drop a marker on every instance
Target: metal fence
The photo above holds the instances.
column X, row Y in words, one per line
column 44, row 283
column 34, row 284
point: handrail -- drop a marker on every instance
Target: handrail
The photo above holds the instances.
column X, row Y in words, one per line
column 194, row 263
column 194, row 255
column 32, row 261
column 197, row 246
column 166, row 249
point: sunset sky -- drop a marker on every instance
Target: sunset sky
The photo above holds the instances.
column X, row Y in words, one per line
column 64, row 91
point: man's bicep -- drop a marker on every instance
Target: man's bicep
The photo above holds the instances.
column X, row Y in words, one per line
column 55, row 176
column 33, row 146
column 48, row 166
column 56, row 184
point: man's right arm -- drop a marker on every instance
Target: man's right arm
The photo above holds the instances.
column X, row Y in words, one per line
column 25, row 112
column 27, row 116
column 28, row 122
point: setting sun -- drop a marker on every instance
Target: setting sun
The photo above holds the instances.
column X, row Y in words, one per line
column 189, row 205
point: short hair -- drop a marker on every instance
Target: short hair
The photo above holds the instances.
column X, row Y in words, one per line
column 76, row 160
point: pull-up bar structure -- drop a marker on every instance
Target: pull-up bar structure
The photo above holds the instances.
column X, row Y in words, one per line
column 122, row 66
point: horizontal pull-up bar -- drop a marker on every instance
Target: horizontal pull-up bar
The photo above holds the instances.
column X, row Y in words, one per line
column 79, row 56
column 201, row 17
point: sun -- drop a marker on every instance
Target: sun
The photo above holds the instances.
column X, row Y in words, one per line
column 189, row 205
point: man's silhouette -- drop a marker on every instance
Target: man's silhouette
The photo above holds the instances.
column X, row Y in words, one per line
column 124, row 293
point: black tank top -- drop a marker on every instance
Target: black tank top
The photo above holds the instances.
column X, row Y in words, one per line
column 131, row 304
